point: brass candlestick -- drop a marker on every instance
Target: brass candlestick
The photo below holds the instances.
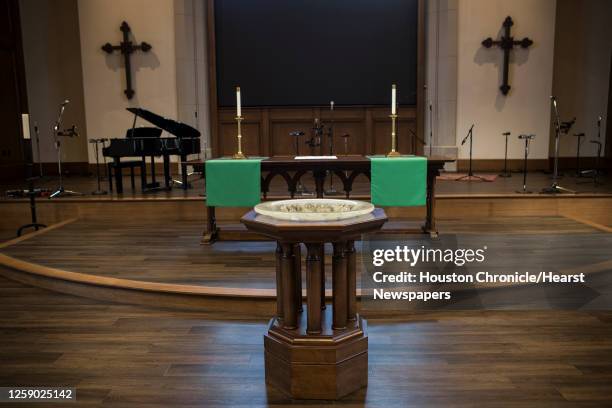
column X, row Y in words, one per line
column 239, row 154
column 393, row 152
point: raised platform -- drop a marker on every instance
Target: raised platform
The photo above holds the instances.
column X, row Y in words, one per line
column 454, row 200
column 145, row 248
column 155, row 262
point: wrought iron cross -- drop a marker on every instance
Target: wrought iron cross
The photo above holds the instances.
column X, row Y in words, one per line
column 507, row 43
column 127, row 48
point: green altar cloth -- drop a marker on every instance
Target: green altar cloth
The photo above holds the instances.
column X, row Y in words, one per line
column 233, row 182
column 398, row 181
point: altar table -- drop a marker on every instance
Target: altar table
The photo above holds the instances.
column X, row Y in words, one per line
column 346, row 168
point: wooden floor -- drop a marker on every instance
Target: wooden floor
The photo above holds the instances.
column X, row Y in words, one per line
column 163, row 252
column 127, row 356
column 535, row 182
column 119, row 355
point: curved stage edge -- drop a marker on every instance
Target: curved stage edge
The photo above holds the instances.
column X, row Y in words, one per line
column 237, row 302
column 227, row 302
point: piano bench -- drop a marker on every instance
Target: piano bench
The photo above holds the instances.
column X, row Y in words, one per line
column 114, row 170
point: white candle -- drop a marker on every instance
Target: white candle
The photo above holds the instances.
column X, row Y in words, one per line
column 25, row 124
column 238, row 102
column 393, row 99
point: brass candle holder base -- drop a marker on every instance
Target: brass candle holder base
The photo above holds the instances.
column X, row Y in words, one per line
column 239, row 154
column 393, row 152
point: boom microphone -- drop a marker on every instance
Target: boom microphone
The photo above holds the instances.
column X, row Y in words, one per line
column 468, row 134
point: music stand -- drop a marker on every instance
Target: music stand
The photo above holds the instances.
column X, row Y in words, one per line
column 596, row 171
column 31, row 192
column 299, row 189
column 470, row 176
column 330, row 136
column 559, row 129
column 579, row 142
column 296, row 134
column 40, row 164
column 527, row 139
column 95, row 142
column 506, row 173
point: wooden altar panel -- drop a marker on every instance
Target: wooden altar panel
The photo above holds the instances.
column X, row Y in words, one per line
column 283, row 144
column 266, row 131
column 251, row 138
column 405, row 139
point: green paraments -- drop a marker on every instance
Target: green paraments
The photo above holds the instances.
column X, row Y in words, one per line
column 233, row 183
column 398, row 181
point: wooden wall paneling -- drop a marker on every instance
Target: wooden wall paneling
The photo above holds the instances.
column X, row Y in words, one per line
column 356, row 141
column 251, row 138
column 265, row 133
column 369, row 131
column 381, row 143
column 349, row 120
column 282, row 143
column 285, row 120
column 251, row 132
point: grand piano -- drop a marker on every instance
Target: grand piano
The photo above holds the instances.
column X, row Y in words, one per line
column 147, row 142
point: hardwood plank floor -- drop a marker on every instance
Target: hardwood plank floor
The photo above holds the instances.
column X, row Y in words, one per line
column 171, row 252
column 128, row 356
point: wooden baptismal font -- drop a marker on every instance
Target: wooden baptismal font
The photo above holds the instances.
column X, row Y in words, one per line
column 316, row 351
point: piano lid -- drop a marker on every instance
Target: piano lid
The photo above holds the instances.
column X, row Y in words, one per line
column 173, row 127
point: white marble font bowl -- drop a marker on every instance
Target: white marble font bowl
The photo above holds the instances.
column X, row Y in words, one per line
column 314, row 209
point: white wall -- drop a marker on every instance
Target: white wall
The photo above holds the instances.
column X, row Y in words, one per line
column 526, row 109
column 582, row 69
column 52, row 59
column 153, row 73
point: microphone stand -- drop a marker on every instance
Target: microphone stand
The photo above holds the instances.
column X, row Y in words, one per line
column 57, row 133
column 40, row 165
column 506, row 173
column 555, row 187
column 330, row 135
column 315, row 139
column 416, row 138
column 527, row 140
column 430, row 130
column 470, row 176
column 430, row 125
